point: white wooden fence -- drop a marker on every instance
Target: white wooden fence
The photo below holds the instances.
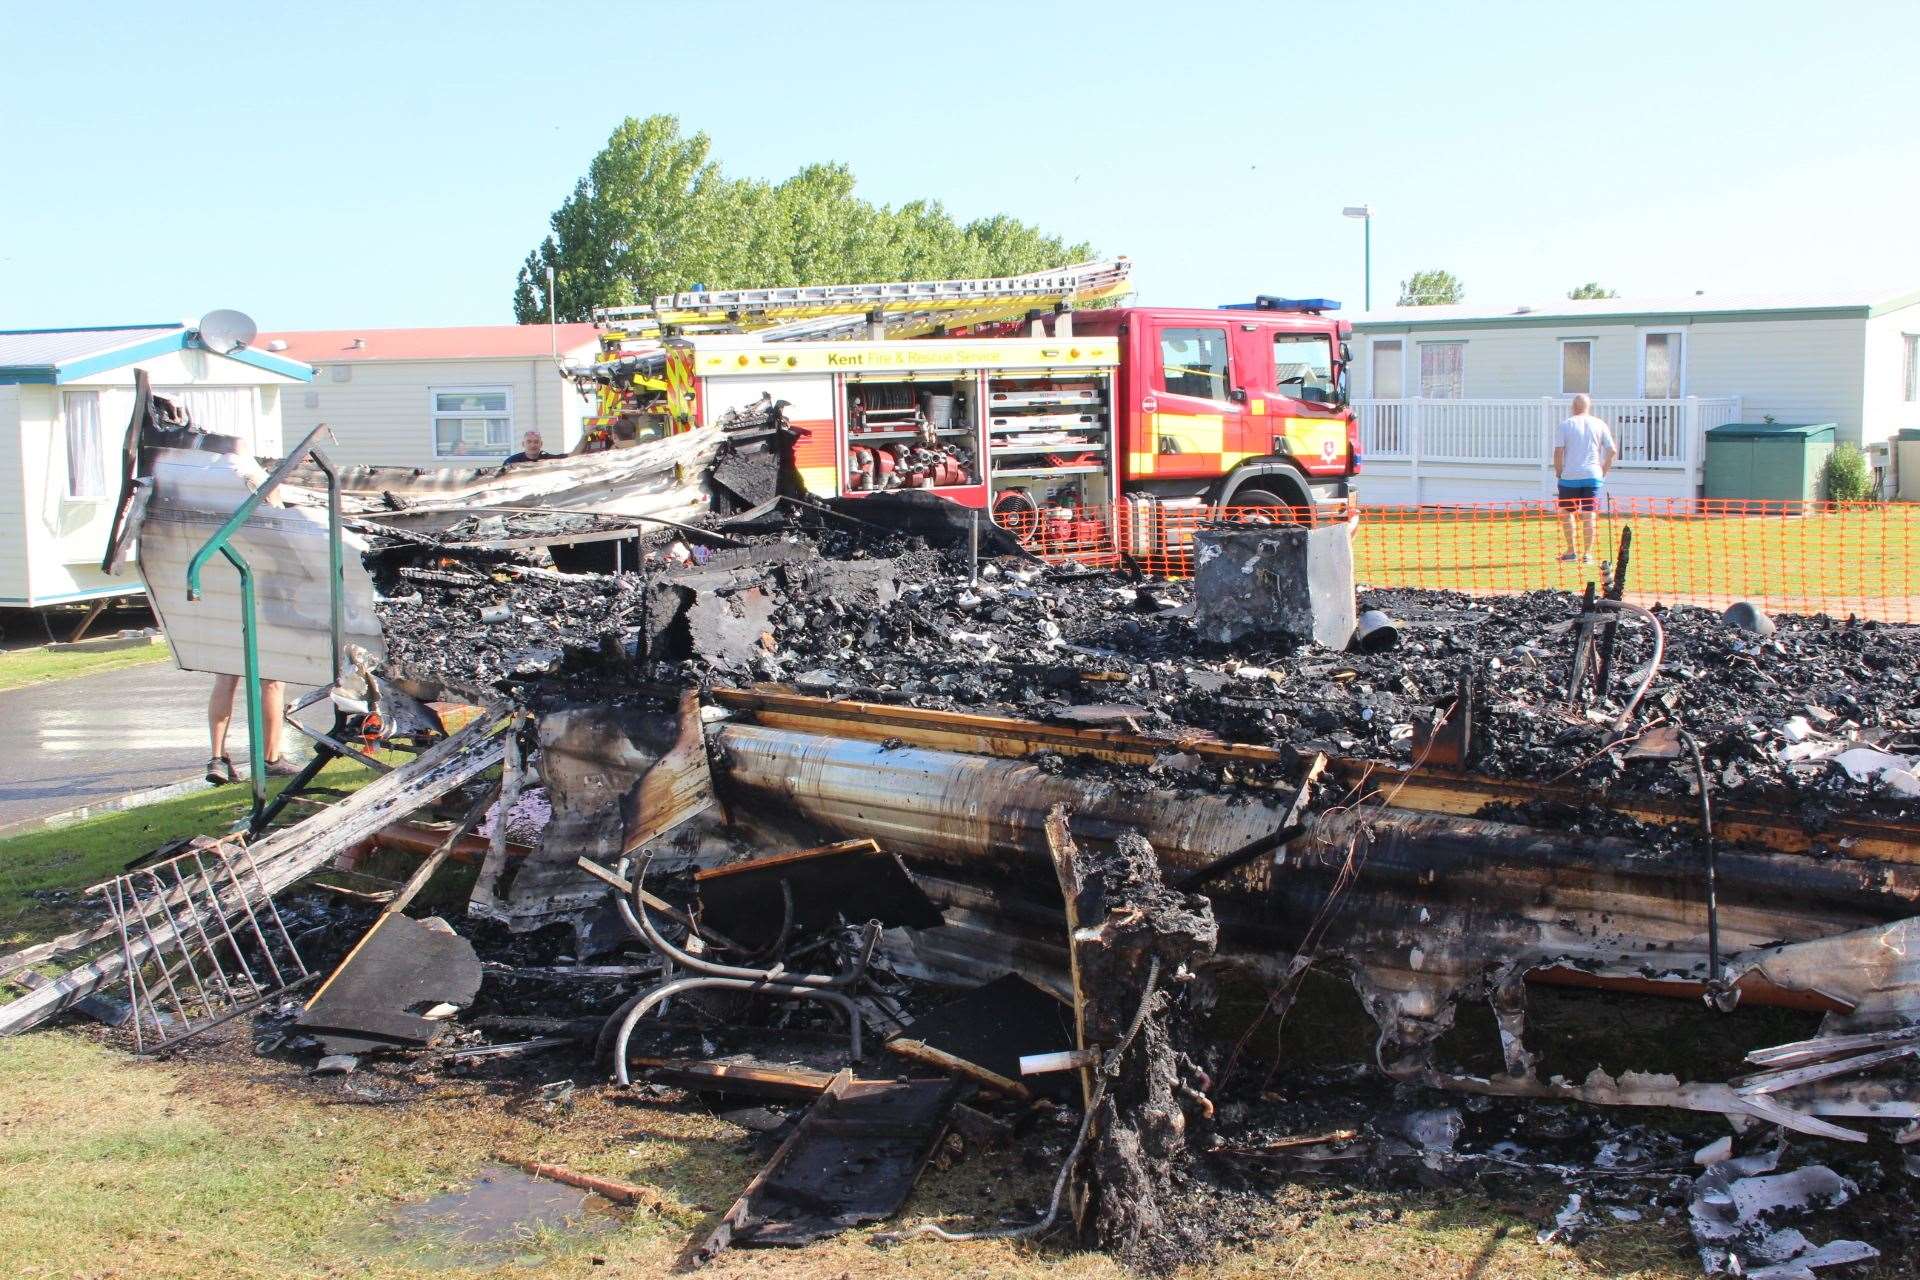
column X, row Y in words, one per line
column 1664, row 434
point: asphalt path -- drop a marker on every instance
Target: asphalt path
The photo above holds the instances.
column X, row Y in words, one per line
column 96, row 738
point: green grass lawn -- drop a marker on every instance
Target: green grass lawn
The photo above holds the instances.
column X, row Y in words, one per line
column 19, row 667
column 210, row 1167
column 1867, row 561
column 59, row 860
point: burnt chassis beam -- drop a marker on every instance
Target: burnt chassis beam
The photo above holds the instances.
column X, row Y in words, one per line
column 1429, row 789
column 1444, row 893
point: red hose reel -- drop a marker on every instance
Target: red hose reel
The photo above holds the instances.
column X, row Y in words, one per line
column 899, row 466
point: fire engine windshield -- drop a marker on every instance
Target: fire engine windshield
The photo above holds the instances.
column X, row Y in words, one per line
column 1303, row 367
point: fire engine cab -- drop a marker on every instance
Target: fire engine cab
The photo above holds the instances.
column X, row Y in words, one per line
column 1240, row 406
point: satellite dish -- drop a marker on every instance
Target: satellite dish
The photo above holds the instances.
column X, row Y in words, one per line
column 225, row 331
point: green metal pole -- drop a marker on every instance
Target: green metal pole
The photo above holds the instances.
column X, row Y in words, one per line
column 336, row 574
column 256, row 723
column 1366, row 300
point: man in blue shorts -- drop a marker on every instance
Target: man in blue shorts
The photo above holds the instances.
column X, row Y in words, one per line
column 1583, row 453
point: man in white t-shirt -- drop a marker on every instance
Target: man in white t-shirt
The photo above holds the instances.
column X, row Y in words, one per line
column 1583, row 453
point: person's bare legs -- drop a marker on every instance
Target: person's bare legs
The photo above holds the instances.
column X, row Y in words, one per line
column 1590, row 528
column 273, row 716
column 220, row 712
column 1566, row 531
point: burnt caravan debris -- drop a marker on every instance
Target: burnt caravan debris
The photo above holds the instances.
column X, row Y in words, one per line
column 807, row 783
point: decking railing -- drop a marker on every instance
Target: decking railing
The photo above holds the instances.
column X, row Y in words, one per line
column 1654, row 434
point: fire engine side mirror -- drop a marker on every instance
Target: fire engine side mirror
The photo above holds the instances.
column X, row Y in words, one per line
column 1237, row 395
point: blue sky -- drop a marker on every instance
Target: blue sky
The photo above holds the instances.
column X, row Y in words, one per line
column 365, row 165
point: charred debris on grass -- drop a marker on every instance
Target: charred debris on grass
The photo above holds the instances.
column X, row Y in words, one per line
column 825, row 606
column 1045, row 775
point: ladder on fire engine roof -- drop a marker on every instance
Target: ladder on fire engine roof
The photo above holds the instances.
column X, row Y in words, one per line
column 905, row 308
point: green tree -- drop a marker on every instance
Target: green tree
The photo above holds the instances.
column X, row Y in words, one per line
column 1430, row 288
column 646, row 211
column 1591, row 289
column 655, row 214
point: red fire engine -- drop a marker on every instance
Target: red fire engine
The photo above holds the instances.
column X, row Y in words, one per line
column 1048, row 415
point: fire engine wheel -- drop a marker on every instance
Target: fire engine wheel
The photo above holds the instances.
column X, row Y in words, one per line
column 1263, row 506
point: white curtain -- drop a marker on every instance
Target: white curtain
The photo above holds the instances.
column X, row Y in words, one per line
column 86, row 450
column 226, row 411
column 1443, row 370
column 1662, row 372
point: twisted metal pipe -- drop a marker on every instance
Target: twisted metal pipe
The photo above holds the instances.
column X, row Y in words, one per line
column 708, row 974
column 1653, row 663
column 637, row 918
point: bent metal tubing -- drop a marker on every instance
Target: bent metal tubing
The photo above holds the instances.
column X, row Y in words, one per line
column 646, row 1003
column 829, row 989
column 1653, row 663
column 635, row 913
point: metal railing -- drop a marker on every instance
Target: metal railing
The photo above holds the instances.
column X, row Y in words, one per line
column 200, row 940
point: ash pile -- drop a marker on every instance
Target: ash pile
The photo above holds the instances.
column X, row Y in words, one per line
column 1803, row 717
column 1806, row 713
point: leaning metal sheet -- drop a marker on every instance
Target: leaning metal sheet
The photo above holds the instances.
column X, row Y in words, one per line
column 193, row 494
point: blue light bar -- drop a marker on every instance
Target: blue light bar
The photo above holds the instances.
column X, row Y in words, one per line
column 1269, row 302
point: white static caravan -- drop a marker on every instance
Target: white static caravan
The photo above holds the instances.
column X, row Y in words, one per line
column 439, row 397
column 65, row 398
column 1457, row 403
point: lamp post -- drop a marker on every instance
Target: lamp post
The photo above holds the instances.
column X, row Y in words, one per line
column 1364, row 212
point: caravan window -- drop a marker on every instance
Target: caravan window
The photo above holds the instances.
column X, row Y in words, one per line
column 225, row 411
column 472, row 422
column 86, row 447
column 1576, row 366
column 1443, row 370
column 1662, row 364
column 1387, row 383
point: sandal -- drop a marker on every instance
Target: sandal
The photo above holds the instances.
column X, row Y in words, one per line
column 281, row 767
column 220, row 771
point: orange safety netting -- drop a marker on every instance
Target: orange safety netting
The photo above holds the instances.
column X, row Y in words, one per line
column 1861, row 559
